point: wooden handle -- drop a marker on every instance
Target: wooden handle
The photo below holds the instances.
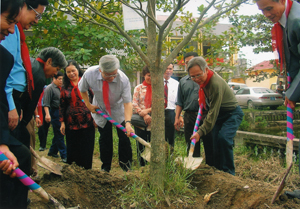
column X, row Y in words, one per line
column 34, row 153
column 143, row 142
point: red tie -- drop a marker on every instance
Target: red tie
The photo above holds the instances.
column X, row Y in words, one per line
column 105, row 92
column 166, row 93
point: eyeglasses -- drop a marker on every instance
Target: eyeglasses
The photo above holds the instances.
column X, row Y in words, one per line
column 38, row 15
column 197, row 76
column 109, row 76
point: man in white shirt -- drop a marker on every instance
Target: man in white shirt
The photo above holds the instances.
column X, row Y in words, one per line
column 170, row 92
column 112, row 94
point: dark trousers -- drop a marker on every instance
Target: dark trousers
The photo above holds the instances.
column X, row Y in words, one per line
column 146, row 135
column 169, row 126
column 80, row 146
column 223, row 132
column 189, row 124
column 13, row 194
column 20, row 132
column 106, row 148
column 43, row 132
column 58, row 143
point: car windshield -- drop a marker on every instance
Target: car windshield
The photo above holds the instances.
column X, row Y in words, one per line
column 262, row 90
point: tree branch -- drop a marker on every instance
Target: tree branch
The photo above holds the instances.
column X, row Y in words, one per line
column 198, row 26
column 136, row 9
column 121, row 31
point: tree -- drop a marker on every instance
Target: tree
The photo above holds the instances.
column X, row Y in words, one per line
column 84, row 43
column 108, row 15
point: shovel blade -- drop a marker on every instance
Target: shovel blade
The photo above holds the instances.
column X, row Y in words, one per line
column 50, row 165
column 190, row 162
column 146, row 154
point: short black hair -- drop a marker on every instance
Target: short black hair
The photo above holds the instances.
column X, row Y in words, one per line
column 194, row 54
column 58, row 58
column 13, row 7
column 59, row 73
column 35, row 3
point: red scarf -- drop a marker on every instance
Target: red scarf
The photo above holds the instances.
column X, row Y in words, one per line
column 75, row 89
column 41, row 61
column 26, row 60
column 148, row 96
column 105, row 92
column 201, row 91
column 277, row 36
column 40, row 107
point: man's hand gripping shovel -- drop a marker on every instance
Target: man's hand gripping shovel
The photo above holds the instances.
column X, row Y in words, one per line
column 37, row 189
column 191, row 162
column 147, row 152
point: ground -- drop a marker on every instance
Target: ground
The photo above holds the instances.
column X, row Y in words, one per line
column 252, row 187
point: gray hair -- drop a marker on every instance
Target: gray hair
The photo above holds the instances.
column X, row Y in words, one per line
column 58, row 58
column 109, row 63
column 199, row 61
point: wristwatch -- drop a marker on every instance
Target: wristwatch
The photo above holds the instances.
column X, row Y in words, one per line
column 128, row 121
column 37, row 116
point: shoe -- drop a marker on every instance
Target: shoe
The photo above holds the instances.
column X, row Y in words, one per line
column 104, row 170
column 42, row 149
column 28, row 201
column 64, row 160
column 52, row 155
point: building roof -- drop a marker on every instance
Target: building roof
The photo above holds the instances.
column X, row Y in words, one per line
column 217, row 30
column 261, row 66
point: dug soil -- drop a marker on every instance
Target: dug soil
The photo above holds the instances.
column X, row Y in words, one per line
column 252, row 187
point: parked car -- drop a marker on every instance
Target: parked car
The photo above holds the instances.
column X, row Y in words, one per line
column 253, row 97
column 237, row 86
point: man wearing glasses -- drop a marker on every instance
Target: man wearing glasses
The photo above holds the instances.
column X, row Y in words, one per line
column 187, row 101
column 20, row 78
column 112, row 95
column 224, row 115
column 13, row 194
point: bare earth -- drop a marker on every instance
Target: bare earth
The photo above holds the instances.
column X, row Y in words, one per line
column 252, row 187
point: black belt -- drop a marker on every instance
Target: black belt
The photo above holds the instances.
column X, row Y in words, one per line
column 169, row 110
column 17, row 94
column 191, row 112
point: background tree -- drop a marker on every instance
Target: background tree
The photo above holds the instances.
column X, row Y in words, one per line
column 108, row 16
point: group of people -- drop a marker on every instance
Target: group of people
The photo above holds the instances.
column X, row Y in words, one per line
column 72, row 107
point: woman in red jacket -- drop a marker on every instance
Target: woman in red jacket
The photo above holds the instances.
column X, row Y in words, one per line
column 76, row 120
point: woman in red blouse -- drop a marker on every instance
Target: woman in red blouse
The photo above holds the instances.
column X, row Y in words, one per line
column 142, row 101
column 76, row 119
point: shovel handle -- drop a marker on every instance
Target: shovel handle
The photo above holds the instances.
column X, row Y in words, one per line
column 197, row 123
column 139, row 139
column 34, row 153
column 27, row 181
column 290, row 127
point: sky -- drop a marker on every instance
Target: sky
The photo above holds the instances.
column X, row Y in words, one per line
column 246, row 9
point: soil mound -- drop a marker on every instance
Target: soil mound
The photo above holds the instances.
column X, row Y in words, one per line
column 77, row 186
column 253, row 187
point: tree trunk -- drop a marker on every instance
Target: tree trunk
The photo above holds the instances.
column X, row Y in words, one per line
column 157, row 165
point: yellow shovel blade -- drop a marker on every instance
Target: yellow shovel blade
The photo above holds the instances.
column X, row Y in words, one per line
column 190, row 162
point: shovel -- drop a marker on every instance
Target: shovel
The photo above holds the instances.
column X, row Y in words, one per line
column 147, row 152
column 37, row 189
column 191, row 162
column 46, row 163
